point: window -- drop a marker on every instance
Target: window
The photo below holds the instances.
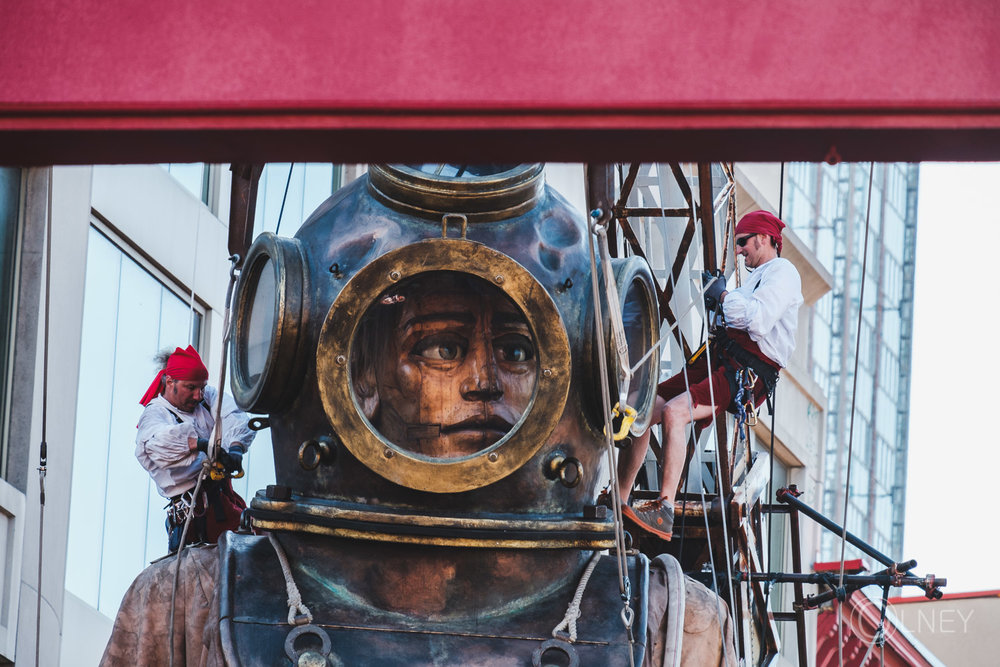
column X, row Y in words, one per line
column 193, row 176
column 308, row 185
column 128, row 316
column 10, row 199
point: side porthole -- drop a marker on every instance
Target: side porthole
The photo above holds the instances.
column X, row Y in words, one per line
column 267, row 316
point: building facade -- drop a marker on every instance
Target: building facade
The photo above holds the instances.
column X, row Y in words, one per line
column 828, row 206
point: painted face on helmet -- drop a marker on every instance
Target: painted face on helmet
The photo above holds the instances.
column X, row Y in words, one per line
column 453, row 366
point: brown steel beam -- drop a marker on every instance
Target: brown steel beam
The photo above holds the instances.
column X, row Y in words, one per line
column 800, row 615
column 243, row 206
column 706, row 211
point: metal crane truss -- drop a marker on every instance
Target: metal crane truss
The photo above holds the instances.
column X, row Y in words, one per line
column 738, row 487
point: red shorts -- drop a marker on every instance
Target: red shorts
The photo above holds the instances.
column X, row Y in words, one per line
column 718, row 392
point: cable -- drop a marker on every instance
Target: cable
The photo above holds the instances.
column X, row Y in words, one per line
column 854, row 394
column 700, row 463
column 43, row 449
column 623, row 582
column 210, row 455
column 774, row 407
column 281, row 211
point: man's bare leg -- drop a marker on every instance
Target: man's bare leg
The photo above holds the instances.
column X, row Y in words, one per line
column 630, row 458
column 675, row 415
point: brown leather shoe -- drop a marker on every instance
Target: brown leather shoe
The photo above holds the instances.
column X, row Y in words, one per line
column 654, row 517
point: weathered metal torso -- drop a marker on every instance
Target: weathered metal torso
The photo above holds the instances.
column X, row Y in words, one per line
column 386, row 604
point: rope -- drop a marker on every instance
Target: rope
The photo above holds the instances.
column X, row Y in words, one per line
column 879, row 638
column 206, row 465
column 573, row 611
column 624, row 585
column 854, row 394
column 614, row 314
column 774, row 408
column 298, row 613
column 725, row 520
column 43, row 448
column 697, row 452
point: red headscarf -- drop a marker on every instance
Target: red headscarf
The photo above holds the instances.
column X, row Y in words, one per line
column 761, row 222
column 182, row 365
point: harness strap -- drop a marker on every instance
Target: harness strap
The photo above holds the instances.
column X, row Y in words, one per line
column 729, row 350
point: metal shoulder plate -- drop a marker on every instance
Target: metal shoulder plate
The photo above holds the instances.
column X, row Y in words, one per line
column 254, row 628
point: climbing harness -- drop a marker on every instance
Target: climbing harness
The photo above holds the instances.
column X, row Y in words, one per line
column 746, row 412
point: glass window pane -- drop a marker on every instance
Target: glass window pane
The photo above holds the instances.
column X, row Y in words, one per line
column 116, row 514
column 193, row 176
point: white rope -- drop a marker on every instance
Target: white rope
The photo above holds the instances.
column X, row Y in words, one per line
column 678, row 318
column 700, row 464
column 297, row 611
column 614, row 314
column 624, row 586
column 573, row 611
column 206, row 464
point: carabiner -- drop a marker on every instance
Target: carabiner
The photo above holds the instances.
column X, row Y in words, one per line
column 627, row 420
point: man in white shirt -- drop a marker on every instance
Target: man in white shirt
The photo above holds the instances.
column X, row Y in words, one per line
column 172, row 441
column 761, row 319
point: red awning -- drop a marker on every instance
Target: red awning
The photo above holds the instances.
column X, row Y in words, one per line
column 255, row 80
column 861, row 619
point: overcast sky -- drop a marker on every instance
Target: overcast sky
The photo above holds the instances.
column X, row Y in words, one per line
column 951, row 495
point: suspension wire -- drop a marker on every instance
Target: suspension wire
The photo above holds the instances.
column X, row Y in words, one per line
column 774, row 408
column 213, row 447
column 879, row 638
column 701, row 486
column 740, row 432
column 854, row 394
column 281, row 211
column 718, row 467
column 43, row 448
column 624, row 584
column 194, row 276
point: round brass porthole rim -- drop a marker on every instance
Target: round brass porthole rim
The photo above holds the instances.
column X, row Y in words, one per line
column 628, row 272
column 268, row 392
column 490, row 198
column 409, row 469
column 636, row 271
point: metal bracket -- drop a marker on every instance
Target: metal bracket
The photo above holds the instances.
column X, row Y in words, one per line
column 455, row 217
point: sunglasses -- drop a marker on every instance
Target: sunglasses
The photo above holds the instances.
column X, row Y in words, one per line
column 743, row 241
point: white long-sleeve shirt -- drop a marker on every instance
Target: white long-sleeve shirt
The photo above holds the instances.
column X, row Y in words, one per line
column 767, row 307
column 161, row 445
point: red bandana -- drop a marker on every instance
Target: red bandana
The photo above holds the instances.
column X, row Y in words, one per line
column 761, row 222
column 182, row 365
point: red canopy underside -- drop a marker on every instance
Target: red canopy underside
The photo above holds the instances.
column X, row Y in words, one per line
column 509, row 79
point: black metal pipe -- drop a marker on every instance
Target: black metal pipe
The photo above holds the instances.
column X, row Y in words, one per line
column 787, row 496
column 850, row 580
